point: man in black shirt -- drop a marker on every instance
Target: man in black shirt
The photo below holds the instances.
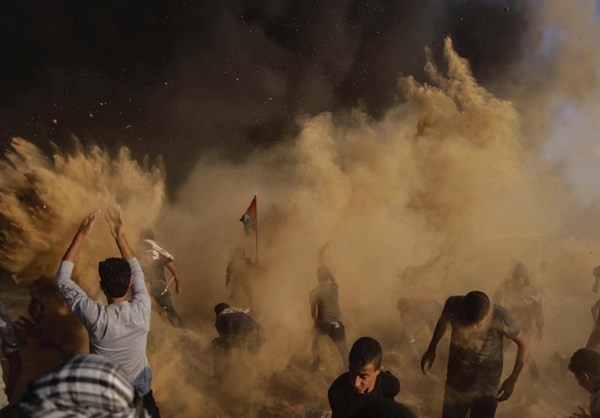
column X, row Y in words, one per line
column 364, row 383
column 236, row 329
column 476, row 354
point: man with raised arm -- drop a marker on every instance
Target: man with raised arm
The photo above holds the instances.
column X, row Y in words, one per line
column 118, row 331
column 476, row 354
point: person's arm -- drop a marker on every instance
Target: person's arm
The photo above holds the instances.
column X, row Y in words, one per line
column 582, row 413
column 173, row 269
column 440, row 329
column 139, row 292
column 595, row 309
column 539, row 319
column 86, row 226
column 335, row 395
column 114, row 218
column 11, row 344
column 594, row 338
column 76, row 299
column 313, row 305
column 508, row 385
column 14, row 373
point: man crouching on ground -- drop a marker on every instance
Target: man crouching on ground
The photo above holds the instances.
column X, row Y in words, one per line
column 118, row 331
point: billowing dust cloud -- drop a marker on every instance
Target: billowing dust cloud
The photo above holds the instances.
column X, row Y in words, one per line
column 436, row 197
column 42, row 201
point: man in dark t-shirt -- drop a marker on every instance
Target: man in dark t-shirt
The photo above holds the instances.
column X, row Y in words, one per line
column 326, row 314
column 365, row 381
column 237, row 330
column 476, row 353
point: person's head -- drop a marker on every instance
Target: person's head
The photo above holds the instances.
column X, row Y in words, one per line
column 383, row 409
column 323, row 273
column 364, row 361
column 87, row 385
column 476, row 306
column 115, row 277
column 220, row 307
column 520, row 276
column 585, row 365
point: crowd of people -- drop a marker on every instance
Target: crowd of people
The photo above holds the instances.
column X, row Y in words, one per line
column 115, row 379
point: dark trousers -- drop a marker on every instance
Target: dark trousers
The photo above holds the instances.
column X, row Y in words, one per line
column 457, row 405
column 150, row 405
column 165, row 302
column 337, row 333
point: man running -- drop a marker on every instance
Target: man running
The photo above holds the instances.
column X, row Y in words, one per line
column 325, row 312
column 155, row 261
column 476, row 355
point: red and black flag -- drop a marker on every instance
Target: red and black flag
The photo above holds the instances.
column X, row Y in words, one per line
column 249, row 218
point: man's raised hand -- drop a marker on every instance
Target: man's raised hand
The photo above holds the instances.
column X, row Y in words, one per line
column 79, row 238
column 88, row 223
column 115, row 221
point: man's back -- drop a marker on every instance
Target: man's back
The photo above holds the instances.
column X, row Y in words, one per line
column 232, row 323
column 121, row 335
column 325, row 298
column 118, row 331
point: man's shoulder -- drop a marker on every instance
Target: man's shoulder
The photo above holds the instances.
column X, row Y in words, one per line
column 500, row 312
column 390, row 383
column 595, row 404
column 341, row 383
column 453, row 303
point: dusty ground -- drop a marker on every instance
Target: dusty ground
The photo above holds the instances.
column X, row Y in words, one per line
column 282, row 385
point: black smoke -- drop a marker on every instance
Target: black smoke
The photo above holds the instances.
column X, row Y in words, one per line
column 179, row 78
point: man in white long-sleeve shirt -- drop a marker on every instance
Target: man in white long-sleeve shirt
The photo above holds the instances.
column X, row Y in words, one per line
column 118, row 331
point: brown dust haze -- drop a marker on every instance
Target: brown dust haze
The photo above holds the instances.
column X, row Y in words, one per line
column 437, row 197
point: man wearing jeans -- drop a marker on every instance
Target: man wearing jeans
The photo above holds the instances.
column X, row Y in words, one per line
column 118, row 331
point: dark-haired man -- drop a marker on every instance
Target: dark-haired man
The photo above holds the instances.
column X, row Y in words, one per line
column 236, row 329
column 365, row 381
column 476, row 354
column 118, row 331
column 326, row 314
column 585, row 365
